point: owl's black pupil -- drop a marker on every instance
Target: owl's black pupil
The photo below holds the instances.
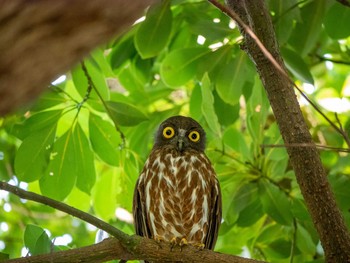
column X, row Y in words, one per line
column 194, row 136
column 168, row 132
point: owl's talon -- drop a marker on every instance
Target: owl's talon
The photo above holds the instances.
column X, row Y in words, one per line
column 183, row 242
column 199, row 246
column 173, row 243
column 159, row 239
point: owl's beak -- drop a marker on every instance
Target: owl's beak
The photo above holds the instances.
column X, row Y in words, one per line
column 180, row 144
column 181, row 140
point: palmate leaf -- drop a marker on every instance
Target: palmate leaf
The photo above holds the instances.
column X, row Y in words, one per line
column 153, row 33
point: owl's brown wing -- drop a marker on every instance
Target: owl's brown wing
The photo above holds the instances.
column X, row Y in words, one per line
column 215, row 217
column 141, row 223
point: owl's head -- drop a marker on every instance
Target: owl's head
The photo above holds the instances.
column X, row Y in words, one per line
column 181, row 133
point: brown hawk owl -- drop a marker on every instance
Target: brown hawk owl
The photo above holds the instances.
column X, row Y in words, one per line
column 177, row 195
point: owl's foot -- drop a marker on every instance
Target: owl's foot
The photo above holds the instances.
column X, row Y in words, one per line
column 176, row 241
column 183, row 242
column 159, row 239
column 199, row 246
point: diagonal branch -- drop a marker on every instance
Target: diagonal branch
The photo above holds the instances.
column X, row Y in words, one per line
column 123, row 247
column 306, row 162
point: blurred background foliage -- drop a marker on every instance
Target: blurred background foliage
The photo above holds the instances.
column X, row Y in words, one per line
column 84, row 141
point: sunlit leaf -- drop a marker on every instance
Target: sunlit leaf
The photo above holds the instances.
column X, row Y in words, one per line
column 208, row 106
column 105, row 140
column 181, row 65
column 105, row 193
column 84, row 158
column 33, row 155
column 153, row 33
column 61, row 174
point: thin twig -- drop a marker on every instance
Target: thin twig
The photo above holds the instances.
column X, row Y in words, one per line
column 296, row 145
column 65, row 208
column 91, row 83
column 321, row 58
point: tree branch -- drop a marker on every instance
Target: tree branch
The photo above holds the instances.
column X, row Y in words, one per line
column 123, row 247
column 306, row 161
column 148, row 249
column 35, row 35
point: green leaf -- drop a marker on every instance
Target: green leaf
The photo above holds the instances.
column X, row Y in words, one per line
column 154, row 32
column 337, row 21
column 49, row 99
column 235, row 139
column 124, row 114
column 208, row 106
column 33, row 155
column 181, row 65
column 61, row 174
column 43, row 245
column 123, row 51
column 250, row 214
column 296, row 65
column 105, row 139
column 285, row 14
column 105, row 193
column 232, row 78
column 307, row 33
column 84, row 158
column 304, row 241
column 36, row 240
column 275, row 203
column 38, row 122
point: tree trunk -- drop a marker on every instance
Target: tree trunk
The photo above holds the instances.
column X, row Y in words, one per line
column 306, row 161
column 42, row 39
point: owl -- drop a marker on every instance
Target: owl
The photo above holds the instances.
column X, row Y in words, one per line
column 177, row 196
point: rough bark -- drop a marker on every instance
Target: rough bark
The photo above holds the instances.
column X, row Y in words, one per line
column 42, row 39
column 143, row 248
column 306, row 161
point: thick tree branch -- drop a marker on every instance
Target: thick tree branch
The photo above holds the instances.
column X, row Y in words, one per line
column 306, row 162
column 111, row 248
column 36, row 35
column 123, row 247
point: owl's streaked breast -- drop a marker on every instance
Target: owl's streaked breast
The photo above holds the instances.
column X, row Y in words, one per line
column 177, row 194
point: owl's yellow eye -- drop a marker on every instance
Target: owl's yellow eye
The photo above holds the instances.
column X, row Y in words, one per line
column 168, row 132
column 194, row 136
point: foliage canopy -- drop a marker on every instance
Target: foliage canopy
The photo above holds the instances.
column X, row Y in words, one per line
column 85, row 140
